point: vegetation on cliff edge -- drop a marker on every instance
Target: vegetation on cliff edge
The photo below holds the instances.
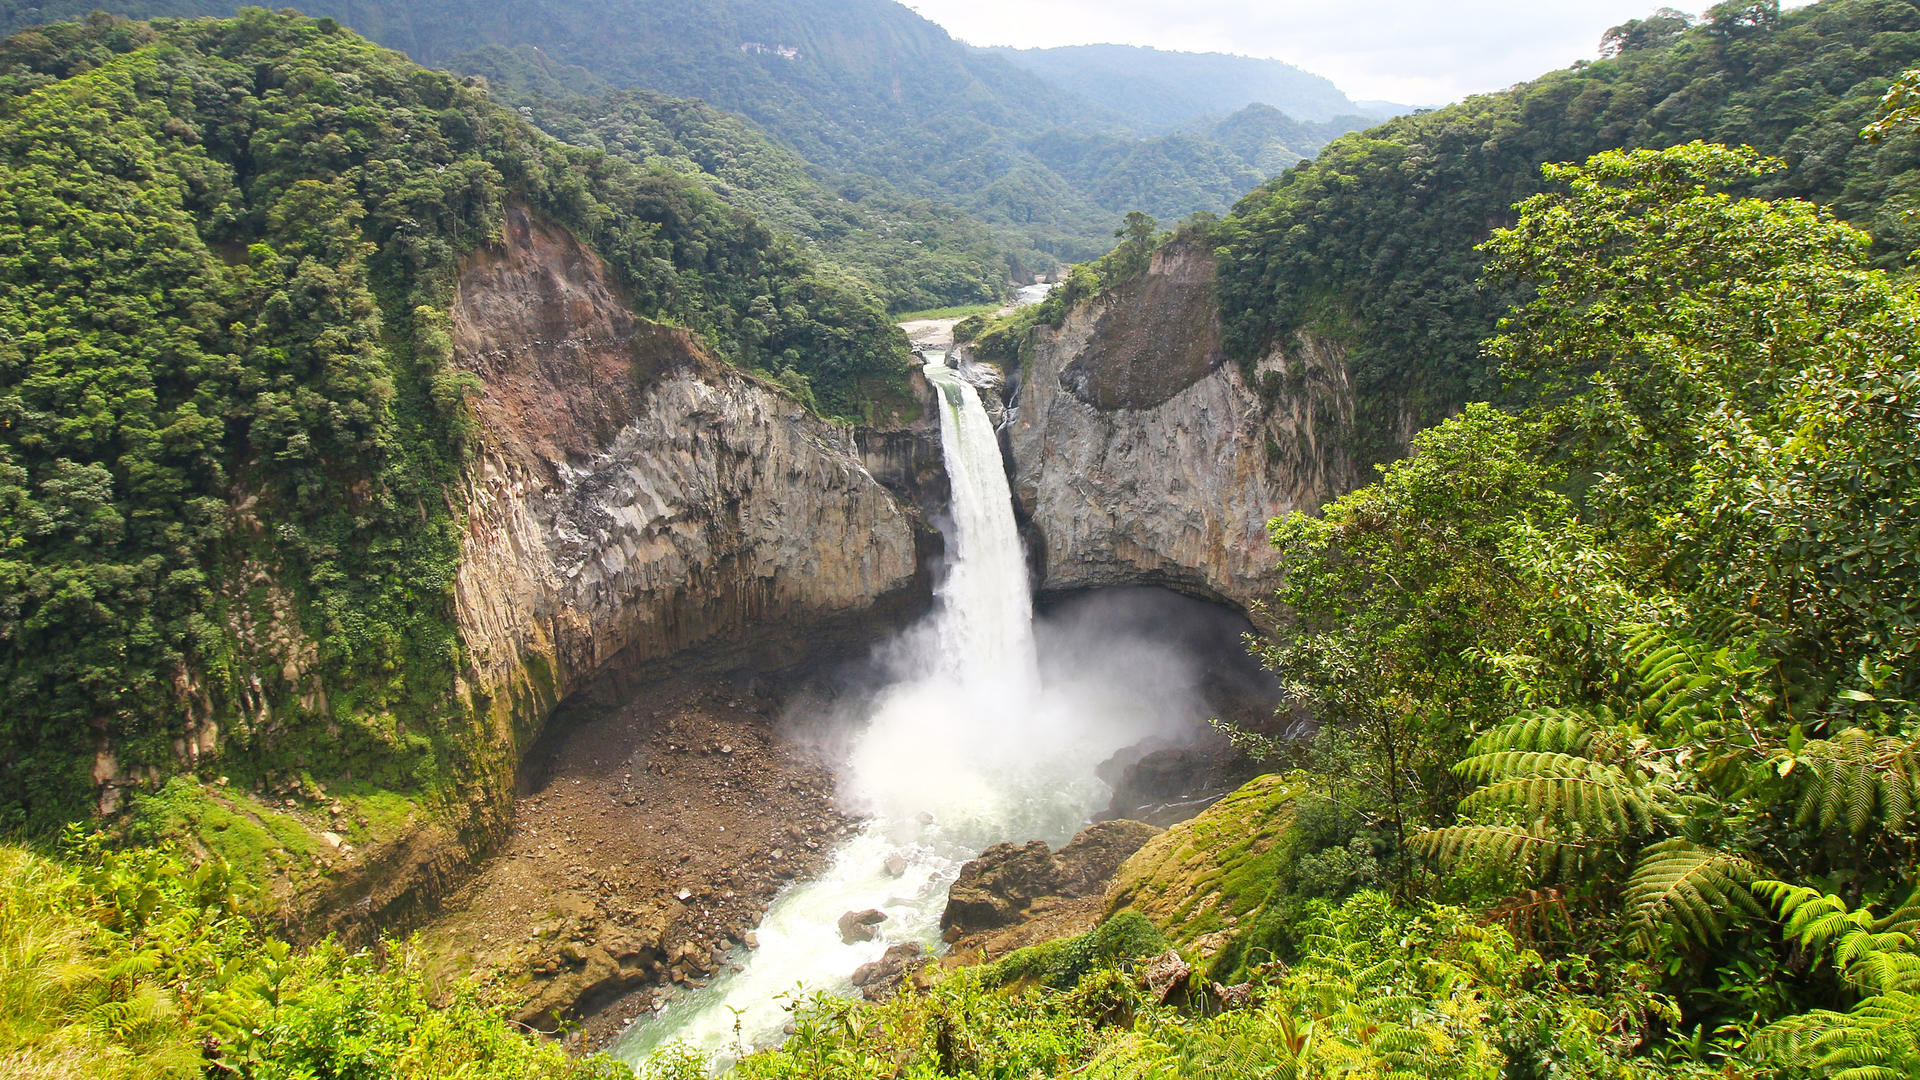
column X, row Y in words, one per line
column 230, row 420
column 1617, row 756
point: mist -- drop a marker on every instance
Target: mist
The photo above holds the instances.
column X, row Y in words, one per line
column 978, row 725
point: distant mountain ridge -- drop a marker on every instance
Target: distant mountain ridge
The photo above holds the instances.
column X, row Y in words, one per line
column 855, row 86
column 1156, row 91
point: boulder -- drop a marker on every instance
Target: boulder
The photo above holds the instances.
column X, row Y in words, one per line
column 858, row 926
column 995, row 888
column 880, row 978
column 1007, row 881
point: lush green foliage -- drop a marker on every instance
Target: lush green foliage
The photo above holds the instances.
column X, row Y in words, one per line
column 229, row 420
column 1374, row 242
column 1377, row 991
column 1663, row 618
column 135, row 964
column 863, row 87
column 913, row 252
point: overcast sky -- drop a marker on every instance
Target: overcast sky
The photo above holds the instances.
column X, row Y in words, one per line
column 1418, row 52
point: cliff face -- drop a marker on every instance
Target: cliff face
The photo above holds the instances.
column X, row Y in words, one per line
column 635, row 505
column 636, row 497
column 1141, row 455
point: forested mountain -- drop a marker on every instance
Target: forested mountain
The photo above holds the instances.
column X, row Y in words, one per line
column 1158, row 91
column 1373, row 243
column 915, row 253
column 229, row 249
column 854, row 86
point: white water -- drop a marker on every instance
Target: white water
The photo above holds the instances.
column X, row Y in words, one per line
column 968, row 746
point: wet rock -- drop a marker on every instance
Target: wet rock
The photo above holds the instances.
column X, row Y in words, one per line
column 993, row 889
column 882, row 977
column 896, row 865
column 1006, row 881
column 856, row 926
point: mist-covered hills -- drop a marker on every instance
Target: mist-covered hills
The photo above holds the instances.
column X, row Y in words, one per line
column 1158, row 91
column 866, row 87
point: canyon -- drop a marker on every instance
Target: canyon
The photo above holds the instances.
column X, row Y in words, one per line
column 646, row 524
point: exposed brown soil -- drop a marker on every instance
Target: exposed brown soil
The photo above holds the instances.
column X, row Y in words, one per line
column 647, row 850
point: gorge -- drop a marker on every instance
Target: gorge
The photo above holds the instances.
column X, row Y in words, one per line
column 971, row 727
column 497, row 580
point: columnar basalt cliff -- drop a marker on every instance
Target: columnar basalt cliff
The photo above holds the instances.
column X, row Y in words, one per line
column 637, row 498
column 1141, row 454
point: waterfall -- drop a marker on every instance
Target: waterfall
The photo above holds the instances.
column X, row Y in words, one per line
column 985, row 613
column 967, row 747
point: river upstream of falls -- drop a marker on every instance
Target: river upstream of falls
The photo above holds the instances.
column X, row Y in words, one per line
column 986, row 732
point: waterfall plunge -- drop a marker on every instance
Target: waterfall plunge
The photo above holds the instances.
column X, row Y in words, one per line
column 968, row 746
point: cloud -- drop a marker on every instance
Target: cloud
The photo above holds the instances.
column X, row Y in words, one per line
column 1414, row 51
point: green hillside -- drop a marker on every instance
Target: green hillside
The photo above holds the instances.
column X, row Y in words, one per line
column 1158, row 91
column 864, row 87
column 1374, row 242
column 227, row 248
column 914, row 253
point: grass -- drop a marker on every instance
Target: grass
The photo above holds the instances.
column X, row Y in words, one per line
column 252, row 836
column 960, row 312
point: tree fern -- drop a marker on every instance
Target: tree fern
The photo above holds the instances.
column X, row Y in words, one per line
column 1526, row 854
column 1879, row 1038
column 1561, row 786
column 1545, row 730
column 1857, row 780
column 1697, row 889
column 1598, row 797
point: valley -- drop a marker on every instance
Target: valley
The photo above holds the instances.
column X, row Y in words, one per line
column 763, row 540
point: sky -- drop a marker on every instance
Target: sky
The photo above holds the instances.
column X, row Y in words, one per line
column 1416, row 52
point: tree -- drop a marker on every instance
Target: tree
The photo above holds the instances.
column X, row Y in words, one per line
column 1663, row 27
column 1386, row 595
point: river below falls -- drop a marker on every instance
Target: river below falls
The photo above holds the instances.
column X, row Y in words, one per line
column 990, row 730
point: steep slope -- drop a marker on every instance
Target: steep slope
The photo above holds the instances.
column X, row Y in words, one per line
column 334, row 454
column 1158, row 91
column 914, row 253
column 1141, row 455
column 1374, row 243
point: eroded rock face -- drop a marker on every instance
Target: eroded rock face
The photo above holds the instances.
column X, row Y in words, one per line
column 634, row 496
column 1143, row 456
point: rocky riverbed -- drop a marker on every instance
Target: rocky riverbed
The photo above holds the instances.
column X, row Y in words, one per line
column 643, row 854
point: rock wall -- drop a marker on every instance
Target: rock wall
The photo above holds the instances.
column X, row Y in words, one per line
column 1140, row 454
column 635, row 497
column 635, row 507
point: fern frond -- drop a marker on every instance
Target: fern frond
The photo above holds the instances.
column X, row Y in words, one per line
column 1672, row 671
column 1695, row 888
column 1904, row 919
column 1549, row 730
column 1855, row 773
column 1875, row 963
column 1560, row 787
column 1528, row 853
